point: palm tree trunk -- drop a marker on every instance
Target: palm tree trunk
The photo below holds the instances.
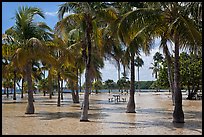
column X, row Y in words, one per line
column 22, row 88
column 61, row 89
column 171, row 83
column 138, row 79
column 77, row 87
column 178, row 115
column 80, row 80
column 84, row 114
column 30, row 107
column 75, row 95
column 58, row 89
column 131, row 102
column 4, row 90
column 7, row 92
column 169, row 70
column 14, row 86
column 118, row 64
column 50, row 84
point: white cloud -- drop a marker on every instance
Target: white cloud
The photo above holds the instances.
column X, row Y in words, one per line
column 51, row 13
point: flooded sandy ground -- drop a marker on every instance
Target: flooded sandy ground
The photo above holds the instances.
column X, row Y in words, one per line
column 153, row 116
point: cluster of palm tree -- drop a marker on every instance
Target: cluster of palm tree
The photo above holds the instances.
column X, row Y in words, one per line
column 95, row 31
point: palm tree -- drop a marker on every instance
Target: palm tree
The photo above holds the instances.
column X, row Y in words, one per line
column 136, row 39
column 83, row 13
column 173, row 14
column 184, row 33
column 181, row 27
column 138, row 63
column 27, row 34
column 63, row 59
column 84, row 19
column 158, row 59
column 164, row 39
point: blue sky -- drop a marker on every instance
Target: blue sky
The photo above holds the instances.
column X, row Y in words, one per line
column 50, row 10
column 9, row 9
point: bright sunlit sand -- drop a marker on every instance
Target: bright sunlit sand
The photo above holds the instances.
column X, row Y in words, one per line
column 153, row 116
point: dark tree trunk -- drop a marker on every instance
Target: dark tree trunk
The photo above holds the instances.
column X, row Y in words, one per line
column 58, row 89
column 138, row 78
column 4, row 90
column 50, row 84
column 61, row 89
column 7, row 92
column 118, row 64
column 131, row 102
column 30, row 107
column 80, row 80
column 75, row 97
column 178, row 115
column 14, row 86
column 22, row 88
column 77, row 88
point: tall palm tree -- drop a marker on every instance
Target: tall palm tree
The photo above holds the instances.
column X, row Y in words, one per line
column 181, row 27
column 183, row 32
column 83, row 13
column 164, row 39
column 137, row 39
column 84, row 18
column 138, row 63
column 29, row 36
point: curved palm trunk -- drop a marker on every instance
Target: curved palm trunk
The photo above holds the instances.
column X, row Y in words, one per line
column 14, row 86
column 30, row 106
column 178, row 115
column 131, row 102
column 169, row 71
column 84, row 114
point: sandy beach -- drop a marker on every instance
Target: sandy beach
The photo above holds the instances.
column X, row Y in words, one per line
column 153, row 116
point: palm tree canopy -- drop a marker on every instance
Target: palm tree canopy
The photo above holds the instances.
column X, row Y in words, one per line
column 139, row 62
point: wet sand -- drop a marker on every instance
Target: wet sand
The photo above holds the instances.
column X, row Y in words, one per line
column 153, row 116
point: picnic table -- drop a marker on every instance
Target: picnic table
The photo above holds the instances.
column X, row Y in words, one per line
column 116, row 98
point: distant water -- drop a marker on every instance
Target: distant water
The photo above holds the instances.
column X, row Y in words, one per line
column 103, row 90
